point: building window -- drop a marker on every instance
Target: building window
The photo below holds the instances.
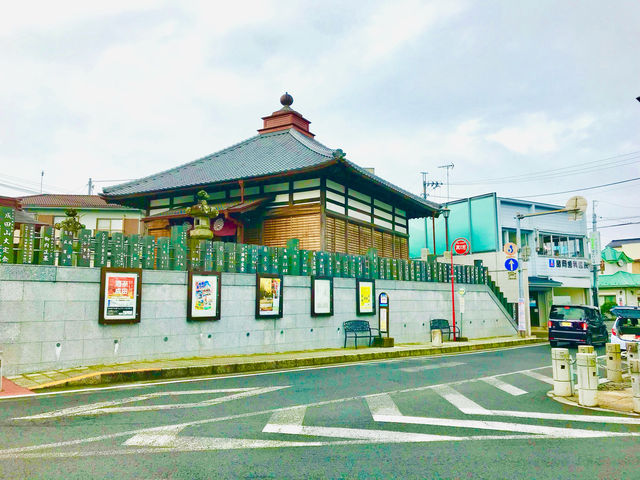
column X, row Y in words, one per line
column 510, row 236
column 109, row 225
column 561, row 246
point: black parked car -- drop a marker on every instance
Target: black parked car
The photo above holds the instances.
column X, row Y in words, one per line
column 580, row 324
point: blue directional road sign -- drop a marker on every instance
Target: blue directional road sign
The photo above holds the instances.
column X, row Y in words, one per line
column 511, row 264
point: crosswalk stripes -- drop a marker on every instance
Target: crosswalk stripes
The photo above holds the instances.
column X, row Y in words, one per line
column 462, row 403
column 538, row 376
column 504, row 386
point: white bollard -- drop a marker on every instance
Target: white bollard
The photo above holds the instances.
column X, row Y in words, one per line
column 436, row 338
column 614, row 363
column 585, row 349
column 632, row 353
column 587, row 379
column 560, row 361
column 634, row 366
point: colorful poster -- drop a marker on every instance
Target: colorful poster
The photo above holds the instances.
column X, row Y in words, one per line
column 365, row 297
column 269, row 296
column 204, row 296
column 120, row 297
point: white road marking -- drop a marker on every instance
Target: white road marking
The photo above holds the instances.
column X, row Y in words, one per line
column 538, row 376
column 110, row 407
column 462, row 403
column 568, row 417
column 504, row 386
column 291, row 416
column 382, row 405
column 432, row 367
column 555, row 432
column 378, row 436
column 33, row 451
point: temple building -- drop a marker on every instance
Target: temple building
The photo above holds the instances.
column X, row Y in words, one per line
column 278, row 185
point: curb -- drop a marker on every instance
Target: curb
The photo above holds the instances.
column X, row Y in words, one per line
column 566, row 401
column 162, row 373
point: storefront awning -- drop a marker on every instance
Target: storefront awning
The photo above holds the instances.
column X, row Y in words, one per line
column 542, row 284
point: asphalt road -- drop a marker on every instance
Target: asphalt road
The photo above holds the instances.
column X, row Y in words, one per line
column 481, row 415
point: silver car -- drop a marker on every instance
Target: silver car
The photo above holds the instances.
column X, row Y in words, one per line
column 626, row 328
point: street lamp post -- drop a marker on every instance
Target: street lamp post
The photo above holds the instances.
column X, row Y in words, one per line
column 445, row 213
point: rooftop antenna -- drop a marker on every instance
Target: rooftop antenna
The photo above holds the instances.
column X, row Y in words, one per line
column 447, row 166
column 41, row 178
column 424, row 185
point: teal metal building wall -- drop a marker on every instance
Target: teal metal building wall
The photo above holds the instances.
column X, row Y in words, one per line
column 474, row 218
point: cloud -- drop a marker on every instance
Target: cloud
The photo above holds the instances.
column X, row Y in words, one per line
column 536, row 133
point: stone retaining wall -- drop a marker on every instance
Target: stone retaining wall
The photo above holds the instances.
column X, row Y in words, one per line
column 49, row 318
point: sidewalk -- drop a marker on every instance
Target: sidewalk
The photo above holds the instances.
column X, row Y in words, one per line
column 201, row 366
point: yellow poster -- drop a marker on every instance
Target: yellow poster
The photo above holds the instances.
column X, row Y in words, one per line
column 366, row 294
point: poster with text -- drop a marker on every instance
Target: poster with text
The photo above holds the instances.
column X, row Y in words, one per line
column 119, row 295
column 269, row 296
column 203, row 302
column 365, row 297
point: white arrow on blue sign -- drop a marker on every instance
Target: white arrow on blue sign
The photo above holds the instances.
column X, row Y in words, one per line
column 511, row 264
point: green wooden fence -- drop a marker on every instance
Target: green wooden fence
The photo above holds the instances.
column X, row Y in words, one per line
column 178, row 252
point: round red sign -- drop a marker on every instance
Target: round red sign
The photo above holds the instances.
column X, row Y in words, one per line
column 461, row 246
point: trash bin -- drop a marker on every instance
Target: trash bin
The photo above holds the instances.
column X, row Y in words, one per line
column 436, row 338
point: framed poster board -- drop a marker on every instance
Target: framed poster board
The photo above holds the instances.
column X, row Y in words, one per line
column 321, row 296
column 203, row 295
column 268, row 295
column 365, row 297
column 120, row 295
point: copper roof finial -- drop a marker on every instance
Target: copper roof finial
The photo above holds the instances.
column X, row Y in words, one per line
column 286, row 100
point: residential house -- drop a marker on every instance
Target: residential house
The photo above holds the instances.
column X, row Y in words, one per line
column 96, row 214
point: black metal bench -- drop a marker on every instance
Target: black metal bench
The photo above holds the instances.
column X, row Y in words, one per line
column 358, row 329
column 442, row 324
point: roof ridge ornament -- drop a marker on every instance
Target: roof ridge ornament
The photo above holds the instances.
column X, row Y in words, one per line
column 338, row 154
column 286, row 100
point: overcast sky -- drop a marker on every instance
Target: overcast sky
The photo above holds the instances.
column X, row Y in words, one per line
column 540, row 91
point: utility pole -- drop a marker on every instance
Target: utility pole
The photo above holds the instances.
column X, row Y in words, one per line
column 90, row 186
column 447, row 166
column 595, row 244
column 41, row 178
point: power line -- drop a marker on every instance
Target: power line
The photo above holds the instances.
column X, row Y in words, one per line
column 582, row 189
column 579, row 168
column 619, row 225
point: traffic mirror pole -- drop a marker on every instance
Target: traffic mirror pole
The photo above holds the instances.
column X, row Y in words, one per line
column 522, row 322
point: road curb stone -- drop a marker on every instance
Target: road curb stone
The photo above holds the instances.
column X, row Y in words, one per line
column 121, row 376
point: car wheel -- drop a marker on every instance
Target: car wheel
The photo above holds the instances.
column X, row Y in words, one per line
column 553, row 343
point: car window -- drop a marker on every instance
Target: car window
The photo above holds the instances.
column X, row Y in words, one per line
column 568, row 313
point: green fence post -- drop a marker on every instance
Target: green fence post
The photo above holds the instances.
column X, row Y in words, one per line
column 164, row 255
column 6, row 234
column 252, row 262
column 101, row 249
column 230, row 264
column 84, row 248
column 65, row 258
column 117, row 250
column 372, row 256
column 46, row 252
column 27, row 244
column 148, row 252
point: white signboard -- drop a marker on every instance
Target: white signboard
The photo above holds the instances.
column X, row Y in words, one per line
column 596, row 249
